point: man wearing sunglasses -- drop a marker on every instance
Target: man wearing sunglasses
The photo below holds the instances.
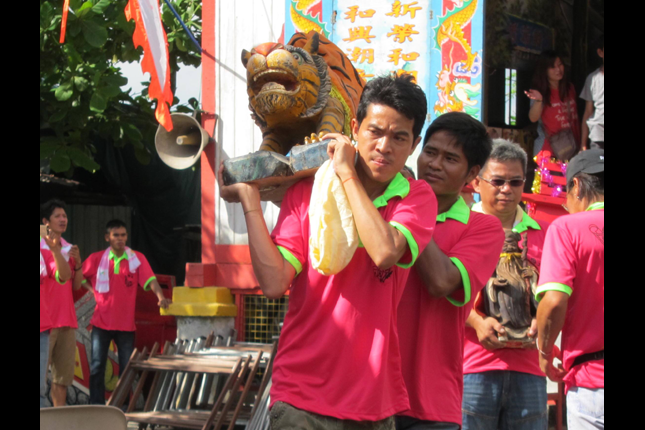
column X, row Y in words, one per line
column 504, row 388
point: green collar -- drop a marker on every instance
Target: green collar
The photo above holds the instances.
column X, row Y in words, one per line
column 526, row 223
column 597, row 206
column 459, row 212
column 522, row 221
column 118, row 259
column 399, row 187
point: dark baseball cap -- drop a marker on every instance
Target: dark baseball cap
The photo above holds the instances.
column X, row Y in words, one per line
column 590, row 162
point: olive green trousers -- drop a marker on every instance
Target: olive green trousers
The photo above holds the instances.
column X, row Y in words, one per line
column 286, row 417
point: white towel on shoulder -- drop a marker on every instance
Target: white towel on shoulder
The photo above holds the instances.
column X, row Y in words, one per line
column 334, row 238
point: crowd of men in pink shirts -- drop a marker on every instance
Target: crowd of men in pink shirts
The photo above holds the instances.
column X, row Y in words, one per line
column 112, row 276
column 394, row 340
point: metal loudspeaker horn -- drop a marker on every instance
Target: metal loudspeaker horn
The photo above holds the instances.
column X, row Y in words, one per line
column 181, row 147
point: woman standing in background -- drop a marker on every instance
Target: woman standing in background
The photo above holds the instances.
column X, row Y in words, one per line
column 553, row 104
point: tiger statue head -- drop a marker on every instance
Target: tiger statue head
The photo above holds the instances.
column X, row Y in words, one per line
column 296, row 91
column 286, row 81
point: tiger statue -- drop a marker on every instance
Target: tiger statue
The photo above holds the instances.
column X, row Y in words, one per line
column 305, row 88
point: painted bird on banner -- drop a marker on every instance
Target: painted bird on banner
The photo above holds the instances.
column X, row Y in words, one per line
column 149, row 34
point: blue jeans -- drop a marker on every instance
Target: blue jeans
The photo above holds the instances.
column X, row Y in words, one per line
column 586, row 409
column 100, row 348
column 44, row 357
column 504, row 400
column 408, row 423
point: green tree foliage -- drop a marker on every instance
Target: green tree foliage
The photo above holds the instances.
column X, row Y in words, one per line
column 80, row 83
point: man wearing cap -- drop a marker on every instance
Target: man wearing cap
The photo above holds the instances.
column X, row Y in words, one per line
column 572, row 293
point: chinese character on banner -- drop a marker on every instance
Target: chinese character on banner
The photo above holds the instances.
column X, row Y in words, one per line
column 398, row 55
column 358, row 33
column 403, row 32
column 363, row 74
column 399, row 9
column 358, row 55
column 354, row 12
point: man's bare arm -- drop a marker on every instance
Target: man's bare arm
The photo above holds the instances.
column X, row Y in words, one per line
column 274, row 273
column 589, row 111
column 438, row 273
column 383, row 243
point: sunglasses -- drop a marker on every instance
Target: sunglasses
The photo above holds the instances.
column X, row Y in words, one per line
column 499, row 183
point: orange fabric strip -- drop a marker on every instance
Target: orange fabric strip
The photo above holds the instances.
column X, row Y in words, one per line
column 163, row 95
column 63, row 23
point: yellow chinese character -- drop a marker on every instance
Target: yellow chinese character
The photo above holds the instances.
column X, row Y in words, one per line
column 359, row 55
column 357, row 33
column 354, row 12
column 399, row 9
column 402, row 32
column 398, row 55
column 364, row 75
column 401, row 72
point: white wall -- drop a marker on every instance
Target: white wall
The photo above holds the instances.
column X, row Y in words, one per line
column 240, row 24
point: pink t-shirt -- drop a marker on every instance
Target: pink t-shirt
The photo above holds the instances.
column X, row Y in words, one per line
column 115, row 309
column 431, row 330
column 574, row 263
column 60, row 299
column 45, row 319
column 478, row 359
column 339, row 349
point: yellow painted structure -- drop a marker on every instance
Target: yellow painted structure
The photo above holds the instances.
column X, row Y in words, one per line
column 201, row 302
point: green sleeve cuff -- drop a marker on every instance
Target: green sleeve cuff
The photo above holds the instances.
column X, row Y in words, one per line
column 291, row 259
column 146, row 287
column 465, row 277
column 58, row 278
column 553, row 286
column 412, row 243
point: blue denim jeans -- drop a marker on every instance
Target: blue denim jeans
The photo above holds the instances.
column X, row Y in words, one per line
column 586, row 409
column 408, row 423
column 504, row 400
column 100, row 348
column 44, row 357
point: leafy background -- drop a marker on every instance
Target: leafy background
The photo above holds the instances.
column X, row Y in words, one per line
column 81, row 95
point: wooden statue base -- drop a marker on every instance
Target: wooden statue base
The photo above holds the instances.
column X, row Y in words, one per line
column 275, row 173
column 516, row 342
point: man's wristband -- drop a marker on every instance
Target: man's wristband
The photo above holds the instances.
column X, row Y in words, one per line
column 349, row 179
column 542, row 353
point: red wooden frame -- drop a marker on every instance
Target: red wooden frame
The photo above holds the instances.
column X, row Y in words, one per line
column 209, row 169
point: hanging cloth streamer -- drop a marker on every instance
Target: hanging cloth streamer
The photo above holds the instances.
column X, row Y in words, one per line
column 149, row 34
column 63, row 22
column 334, row 238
